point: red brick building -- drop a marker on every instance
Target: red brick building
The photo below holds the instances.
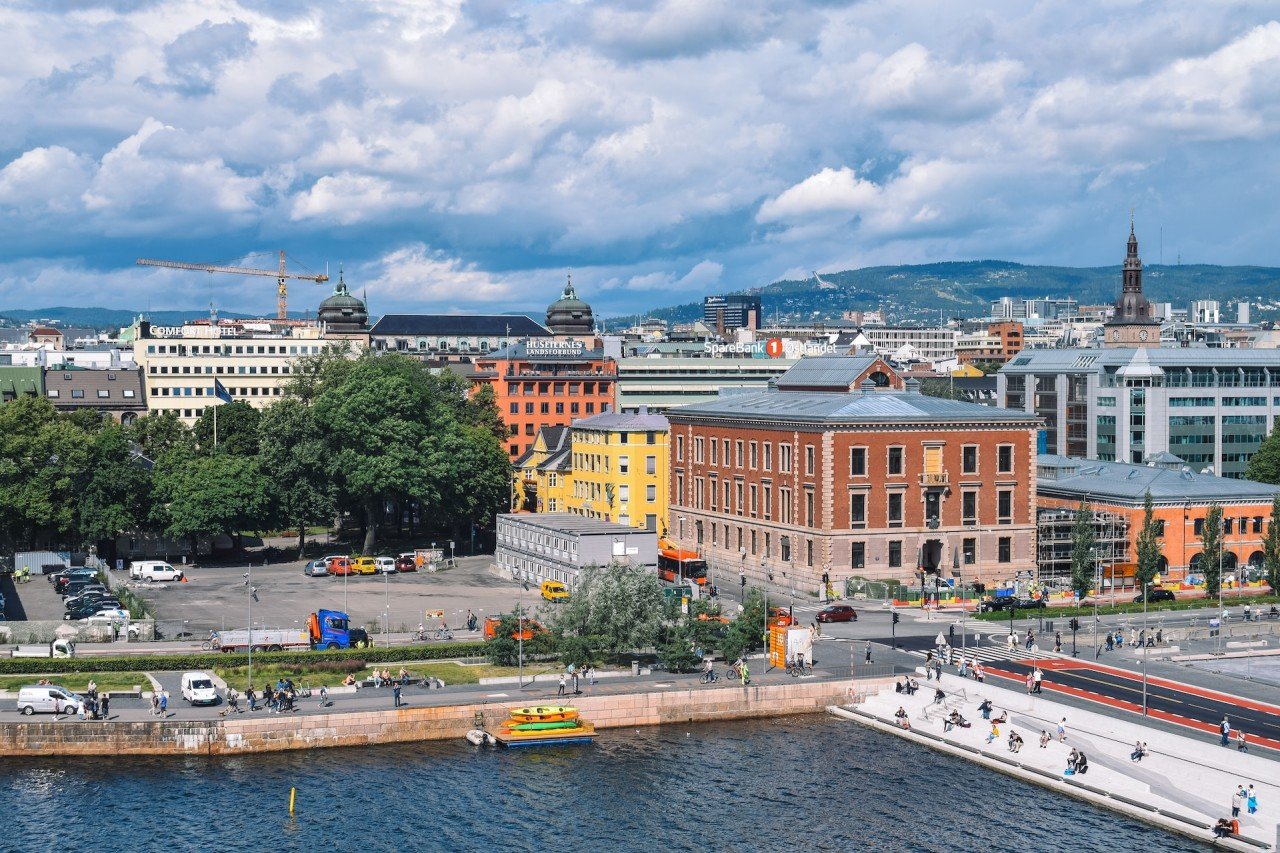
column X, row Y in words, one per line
column 543, row 383
column 877, row 483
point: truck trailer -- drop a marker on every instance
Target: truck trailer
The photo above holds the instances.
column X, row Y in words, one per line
column 326, row 629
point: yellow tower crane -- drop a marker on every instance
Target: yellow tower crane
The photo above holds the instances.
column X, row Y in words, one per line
column 282, row 290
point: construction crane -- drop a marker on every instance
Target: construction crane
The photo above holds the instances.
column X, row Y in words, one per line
column 280, row 275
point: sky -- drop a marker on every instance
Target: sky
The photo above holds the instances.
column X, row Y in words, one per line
column 466, row 155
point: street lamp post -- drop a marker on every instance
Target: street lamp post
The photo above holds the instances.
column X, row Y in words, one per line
column 1146, row 587
column 1097, row 593
column 253, row 596
column 1222, row 535
column 964, row 611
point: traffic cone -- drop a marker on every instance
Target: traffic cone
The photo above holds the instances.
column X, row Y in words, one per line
column 184, row 578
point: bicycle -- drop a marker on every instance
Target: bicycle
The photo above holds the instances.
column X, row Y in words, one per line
column 795, row 670
column 734, row 674
column 710, row 677
column 444, row 634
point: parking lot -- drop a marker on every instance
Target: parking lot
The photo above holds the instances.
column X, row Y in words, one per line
column 215, row 598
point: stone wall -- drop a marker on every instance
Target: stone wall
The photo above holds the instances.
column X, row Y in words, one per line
column 248, row 733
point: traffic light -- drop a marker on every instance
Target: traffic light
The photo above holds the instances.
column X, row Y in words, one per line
column 1075, row 624
column 895, row 618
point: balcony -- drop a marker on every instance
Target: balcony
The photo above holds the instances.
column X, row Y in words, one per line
column 934, row 480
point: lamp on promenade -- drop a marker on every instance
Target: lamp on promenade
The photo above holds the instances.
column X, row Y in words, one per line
column 1146, row 588
column 964, row 611
column 1222, row 535
column 253, row 596
column 1097, row 593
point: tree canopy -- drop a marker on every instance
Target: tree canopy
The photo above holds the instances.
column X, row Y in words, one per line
column 1211, row 549
column 1264, row 464
column 1148, row 546
column 1084, row 547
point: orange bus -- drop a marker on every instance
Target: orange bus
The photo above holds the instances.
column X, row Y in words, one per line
column 677, row 566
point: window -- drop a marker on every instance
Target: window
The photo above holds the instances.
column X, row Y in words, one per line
column 78, row 393
column 970, row 549
column 895, row 462
column 1005, row 549
column 679, row 448
column 737, row 453
column 768, row 502
column 808, row 459
column 969, row 459
column 651, row 464
column 969, row 507
column 895, row 554
column 1199, row 527
column 857, row 462
column 784, row 506
column 1257, row 524
column 784, row 458
column 624, row 464
column 768, row 456
column 895, row 509
column 755, row 499
column 753, row 455
column 738, row 497
column 1004, row 459
column 808, row 552
column 103, row 393
column 1004, row 506
column 54, row 392
column 858, row 555
column 129, row 393
column 785, row 543
column 857, row 510
column 715, row 452
column 808, row 507
column 650, row 493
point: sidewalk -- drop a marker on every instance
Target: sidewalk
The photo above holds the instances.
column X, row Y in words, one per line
column 1190, row 779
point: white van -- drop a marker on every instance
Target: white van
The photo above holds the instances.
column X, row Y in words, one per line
column 154, row 570
column 198, row 689
column 48, row 699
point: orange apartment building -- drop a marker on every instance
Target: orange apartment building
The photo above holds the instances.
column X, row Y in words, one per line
column 1001, row 343
column 546, row 383
column 1180, row 499
column 883, row 483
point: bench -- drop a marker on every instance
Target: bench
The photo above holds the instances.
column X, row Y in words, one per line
column 369, row 683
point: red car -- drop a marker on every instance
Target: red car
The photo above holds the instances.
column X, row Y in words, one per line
column 837, row 613
column 781, row 616
column 406, row 563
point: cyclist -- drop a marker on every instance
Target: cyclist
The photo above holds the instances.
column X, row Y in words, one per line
column 708, row 672
column 743, row 673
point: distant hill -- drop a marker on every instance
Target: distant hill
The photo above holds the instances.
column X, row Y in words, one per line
column 919, row 293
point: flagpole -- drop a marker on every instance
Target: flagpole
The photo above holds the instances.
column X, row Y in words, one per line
column 215, row 421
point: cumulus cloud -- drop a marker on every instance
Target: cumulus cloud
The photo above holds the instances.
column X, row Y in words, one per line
column 465, row 152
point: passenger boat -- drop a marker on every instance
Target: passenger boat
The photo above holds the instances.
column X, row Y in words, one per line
column 544, row 714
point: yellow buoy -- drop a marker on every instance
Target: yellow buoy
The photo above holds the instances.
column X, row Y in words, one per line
column 293, row 793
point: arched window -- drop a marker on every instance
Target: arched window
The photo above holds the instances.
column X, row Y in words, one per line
column 423, row 343
column 483, row 345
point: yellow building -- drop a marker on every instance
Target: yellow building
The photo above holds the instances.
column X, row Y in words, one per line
column 620, row 468
column 543, row 475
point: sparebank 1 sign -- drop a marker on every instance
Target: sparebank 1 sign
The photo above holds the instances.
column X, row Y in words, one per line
column 567, row 349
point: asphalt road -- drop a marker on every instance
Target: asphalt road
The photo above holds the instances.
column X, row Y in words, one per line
column 1180, row 703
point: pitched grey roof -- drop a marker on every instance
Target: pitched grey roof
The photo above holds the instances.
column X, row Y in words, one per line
column 1123, row 483
column 623, row 422
column 880, row 406
column 567, row 522
column 825, row 371
column 429, row 325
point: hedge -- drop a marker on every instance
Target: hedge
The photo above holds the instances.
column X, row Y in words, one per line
column 206, row 660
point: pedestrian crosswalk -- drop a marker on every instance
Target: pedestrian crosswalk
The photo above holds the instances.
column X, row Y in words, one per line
column 989, row 653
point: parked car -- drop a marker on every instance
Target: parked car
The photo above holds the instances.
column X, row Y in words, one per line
column 407, row 562
column 316, row 569
column 109, row 616
column 77, row 590
column 338, row 565
column 198, row 689
column 554, row 591
column 48, row 699
column 154, row 570
column 781, row 616
column 989, row 605
column 86, row 598
column 86, row 610
column 62, row 581
column 386, row 565
column 1156, row 594
column 364, row 566
column 837, row 613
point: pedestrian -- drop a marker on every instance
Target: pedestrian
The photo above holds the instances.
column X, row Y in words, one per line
column 1057, row 641
column 1062, row 730
column 1251, row 800
column 560, row 692
column 324, row 696
column 1030, row 683
column 1241, row 744
column 1038, row 677
column 164, row 703
column 1237, row 802
column 815, row 628
column 395, row 691
column 1111, row 642
column 979, row 673
column 106, row 705
column 1013, row 640
column 1225, row 729
column 576, row 691
column 1031, row 639
column 868, row 653
column 252, row 697
column 1044, row 739
column 1159, row 636
column 155, row 704
column 1248, row 613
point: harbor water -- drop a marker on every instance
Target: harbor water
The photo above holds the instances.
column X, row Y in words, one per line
column 797, row 783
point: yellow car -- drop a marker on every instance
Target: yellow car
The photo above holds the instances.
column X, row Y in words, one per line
column 554, row 591
column 365, row 565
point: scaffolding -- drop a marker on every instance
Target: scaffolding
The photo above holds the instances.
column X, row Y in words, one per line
column 1053, row 543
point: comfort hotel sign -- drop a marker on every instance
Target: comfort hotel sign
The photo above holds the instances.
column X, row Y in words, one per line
column 558, row 348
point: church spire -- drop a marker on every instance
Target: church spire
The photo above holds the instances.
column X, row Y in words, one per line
column 1132, row 264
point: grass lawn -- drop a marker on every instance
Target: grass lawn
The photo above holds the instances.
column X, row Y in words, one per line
column 448, row 672
column 78, row 682
column 1259, row 603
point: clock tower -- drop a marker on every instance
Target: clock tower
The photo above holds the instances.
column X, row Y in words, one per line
column 1132, row 324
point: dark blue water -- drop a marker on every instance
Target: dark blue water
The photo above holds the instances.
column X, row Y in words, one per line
column 801, row 783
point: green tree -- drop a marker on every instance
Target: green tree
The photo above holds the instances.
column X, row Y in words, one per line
column 44, row 462
column 471, row 474
column 159, row 434
column 1084, row 546
column 613, row 608
column 1271, row 547
column 1148, row 545
column 210, row 495
column 292, row 449
column 943, row 388
column 1264, row 464
column 1211, row 549
column 117, row 495
column 238, row 432
column 746, row 633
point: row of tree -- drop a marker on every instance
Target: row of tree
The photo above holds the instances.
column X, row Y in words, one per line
column 350, row 436
column 1085, row 555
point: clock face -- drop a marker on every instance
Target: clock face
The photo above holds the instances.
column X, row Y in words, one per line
column 1142, row 335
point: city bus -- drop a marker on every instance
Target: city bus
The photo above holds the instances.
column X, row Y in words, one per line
column 677, row 566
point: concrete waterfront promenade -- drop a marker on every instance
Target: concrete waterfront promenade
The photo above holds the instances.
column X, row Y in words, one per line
column 642, row 705
column 1185, row 785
